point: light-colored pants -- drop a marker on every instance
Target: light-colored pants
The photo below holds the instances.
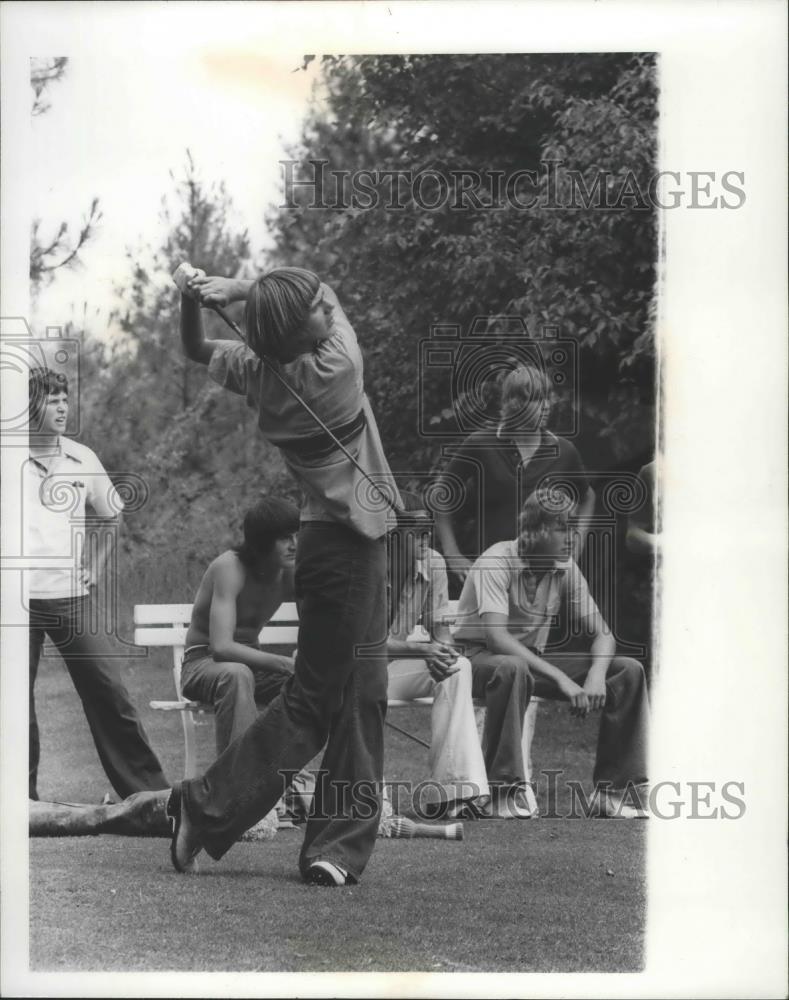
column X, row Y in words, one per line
column 455, row 760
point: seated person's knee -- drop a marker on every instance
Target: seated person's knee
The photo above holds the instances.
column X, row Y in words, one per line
column 514, row 668
column 235, row 676
column 630, row 670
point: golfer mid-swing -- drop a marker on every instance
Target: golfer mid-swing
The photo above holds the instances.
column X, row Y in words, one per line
column 338, row 689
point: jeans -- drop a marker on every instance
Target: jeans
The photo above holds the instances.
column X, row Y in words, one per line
column 338, row 691
column 507, row 684
column 123, row 748
column 621, row 755
column 456, row 761
column 234, row 689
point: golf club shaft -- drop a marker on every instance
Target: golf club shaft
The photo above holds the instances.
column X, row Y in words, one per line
column 289, row 388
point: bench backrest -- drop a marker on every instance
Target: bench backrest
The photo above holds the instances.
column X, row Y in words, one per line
column 167, row 625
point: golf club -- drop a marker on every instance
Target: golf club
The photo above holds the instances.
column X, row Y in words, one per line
column 181, row 276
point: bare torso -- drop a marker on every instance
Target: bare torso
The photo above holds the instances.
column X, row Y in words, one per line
column 255, row 604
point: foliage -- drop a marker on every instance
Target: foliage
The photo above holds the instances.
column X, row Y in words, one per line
column 43, row 73
column 49, row 254
column 148, row 410
column 589, row 271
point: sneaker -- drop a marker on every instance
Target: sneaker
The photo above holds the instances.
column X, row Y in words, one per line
column 613, row 806
column 476, row 808
column 516, row 802
column 185, row 842
column 327, row 873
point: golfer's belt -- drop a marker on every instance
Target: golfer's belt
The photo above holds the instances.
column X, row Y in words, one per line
column 322, row 444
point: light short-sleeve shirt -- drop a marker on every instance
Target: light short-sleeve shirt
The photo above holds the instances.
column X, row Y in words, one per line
column 424, row 598
column 331, row 381
column 57, row 490
column 495, row 585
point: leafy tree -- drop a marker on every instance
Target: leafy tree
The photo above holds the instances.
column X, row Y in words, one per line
column 579, row 257
column 149, row 411
column 589, row 271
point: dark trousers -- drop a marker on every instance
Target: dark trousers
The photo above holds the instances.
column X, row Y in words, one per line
column 234, row 689
column 338, row 691
column 123, row 748
column 621, row 756
column 507, row 684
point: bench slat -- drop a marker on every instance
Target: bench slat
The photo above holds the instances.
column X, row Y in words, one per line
column 279, row 635
column 182, row 706
column 181, row 614
column 272, row 635
column 160, row 636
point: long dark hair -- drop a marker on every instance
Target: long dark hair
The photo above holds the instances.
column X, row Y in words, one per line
column 270, row 519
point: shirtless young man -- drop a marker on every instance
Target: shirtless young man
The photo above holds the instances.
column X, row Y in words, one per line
column 240, row 591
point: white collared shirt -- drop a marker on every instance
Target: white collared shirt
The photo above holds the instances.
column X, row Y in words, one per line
column 495, row 585
column 424, row 598
column 57, row 488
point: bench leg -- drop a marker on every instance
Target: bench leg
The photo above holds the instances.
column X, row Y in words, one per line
column 190, row 748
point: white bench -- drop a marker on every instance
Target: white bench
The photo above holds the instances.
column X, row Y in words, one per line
column 167, row 624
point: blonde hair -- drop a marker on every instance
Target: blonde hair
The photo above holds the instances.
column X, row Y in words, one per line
column 528, row 384
column 543, row 510
column 277, row 306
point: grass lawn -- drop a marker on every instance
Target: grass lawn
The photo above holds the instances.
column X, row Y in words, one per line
column 517, row 896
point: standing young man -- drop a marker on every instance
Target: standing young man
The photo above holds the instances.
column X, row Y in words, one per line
column 338, row 690
column 60, row 478
column 500, row 470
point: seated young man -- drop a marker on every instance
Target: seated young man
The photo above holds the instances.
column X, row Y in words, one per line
column 418, row 594
column 512, row 594
column 242, row 588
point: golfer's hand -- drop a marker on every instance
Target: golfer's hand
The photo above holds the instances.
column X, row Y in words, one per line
column 578, row 698
column 594, row 687
column 188, row 289
column 213, row 290
column 440, row 660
